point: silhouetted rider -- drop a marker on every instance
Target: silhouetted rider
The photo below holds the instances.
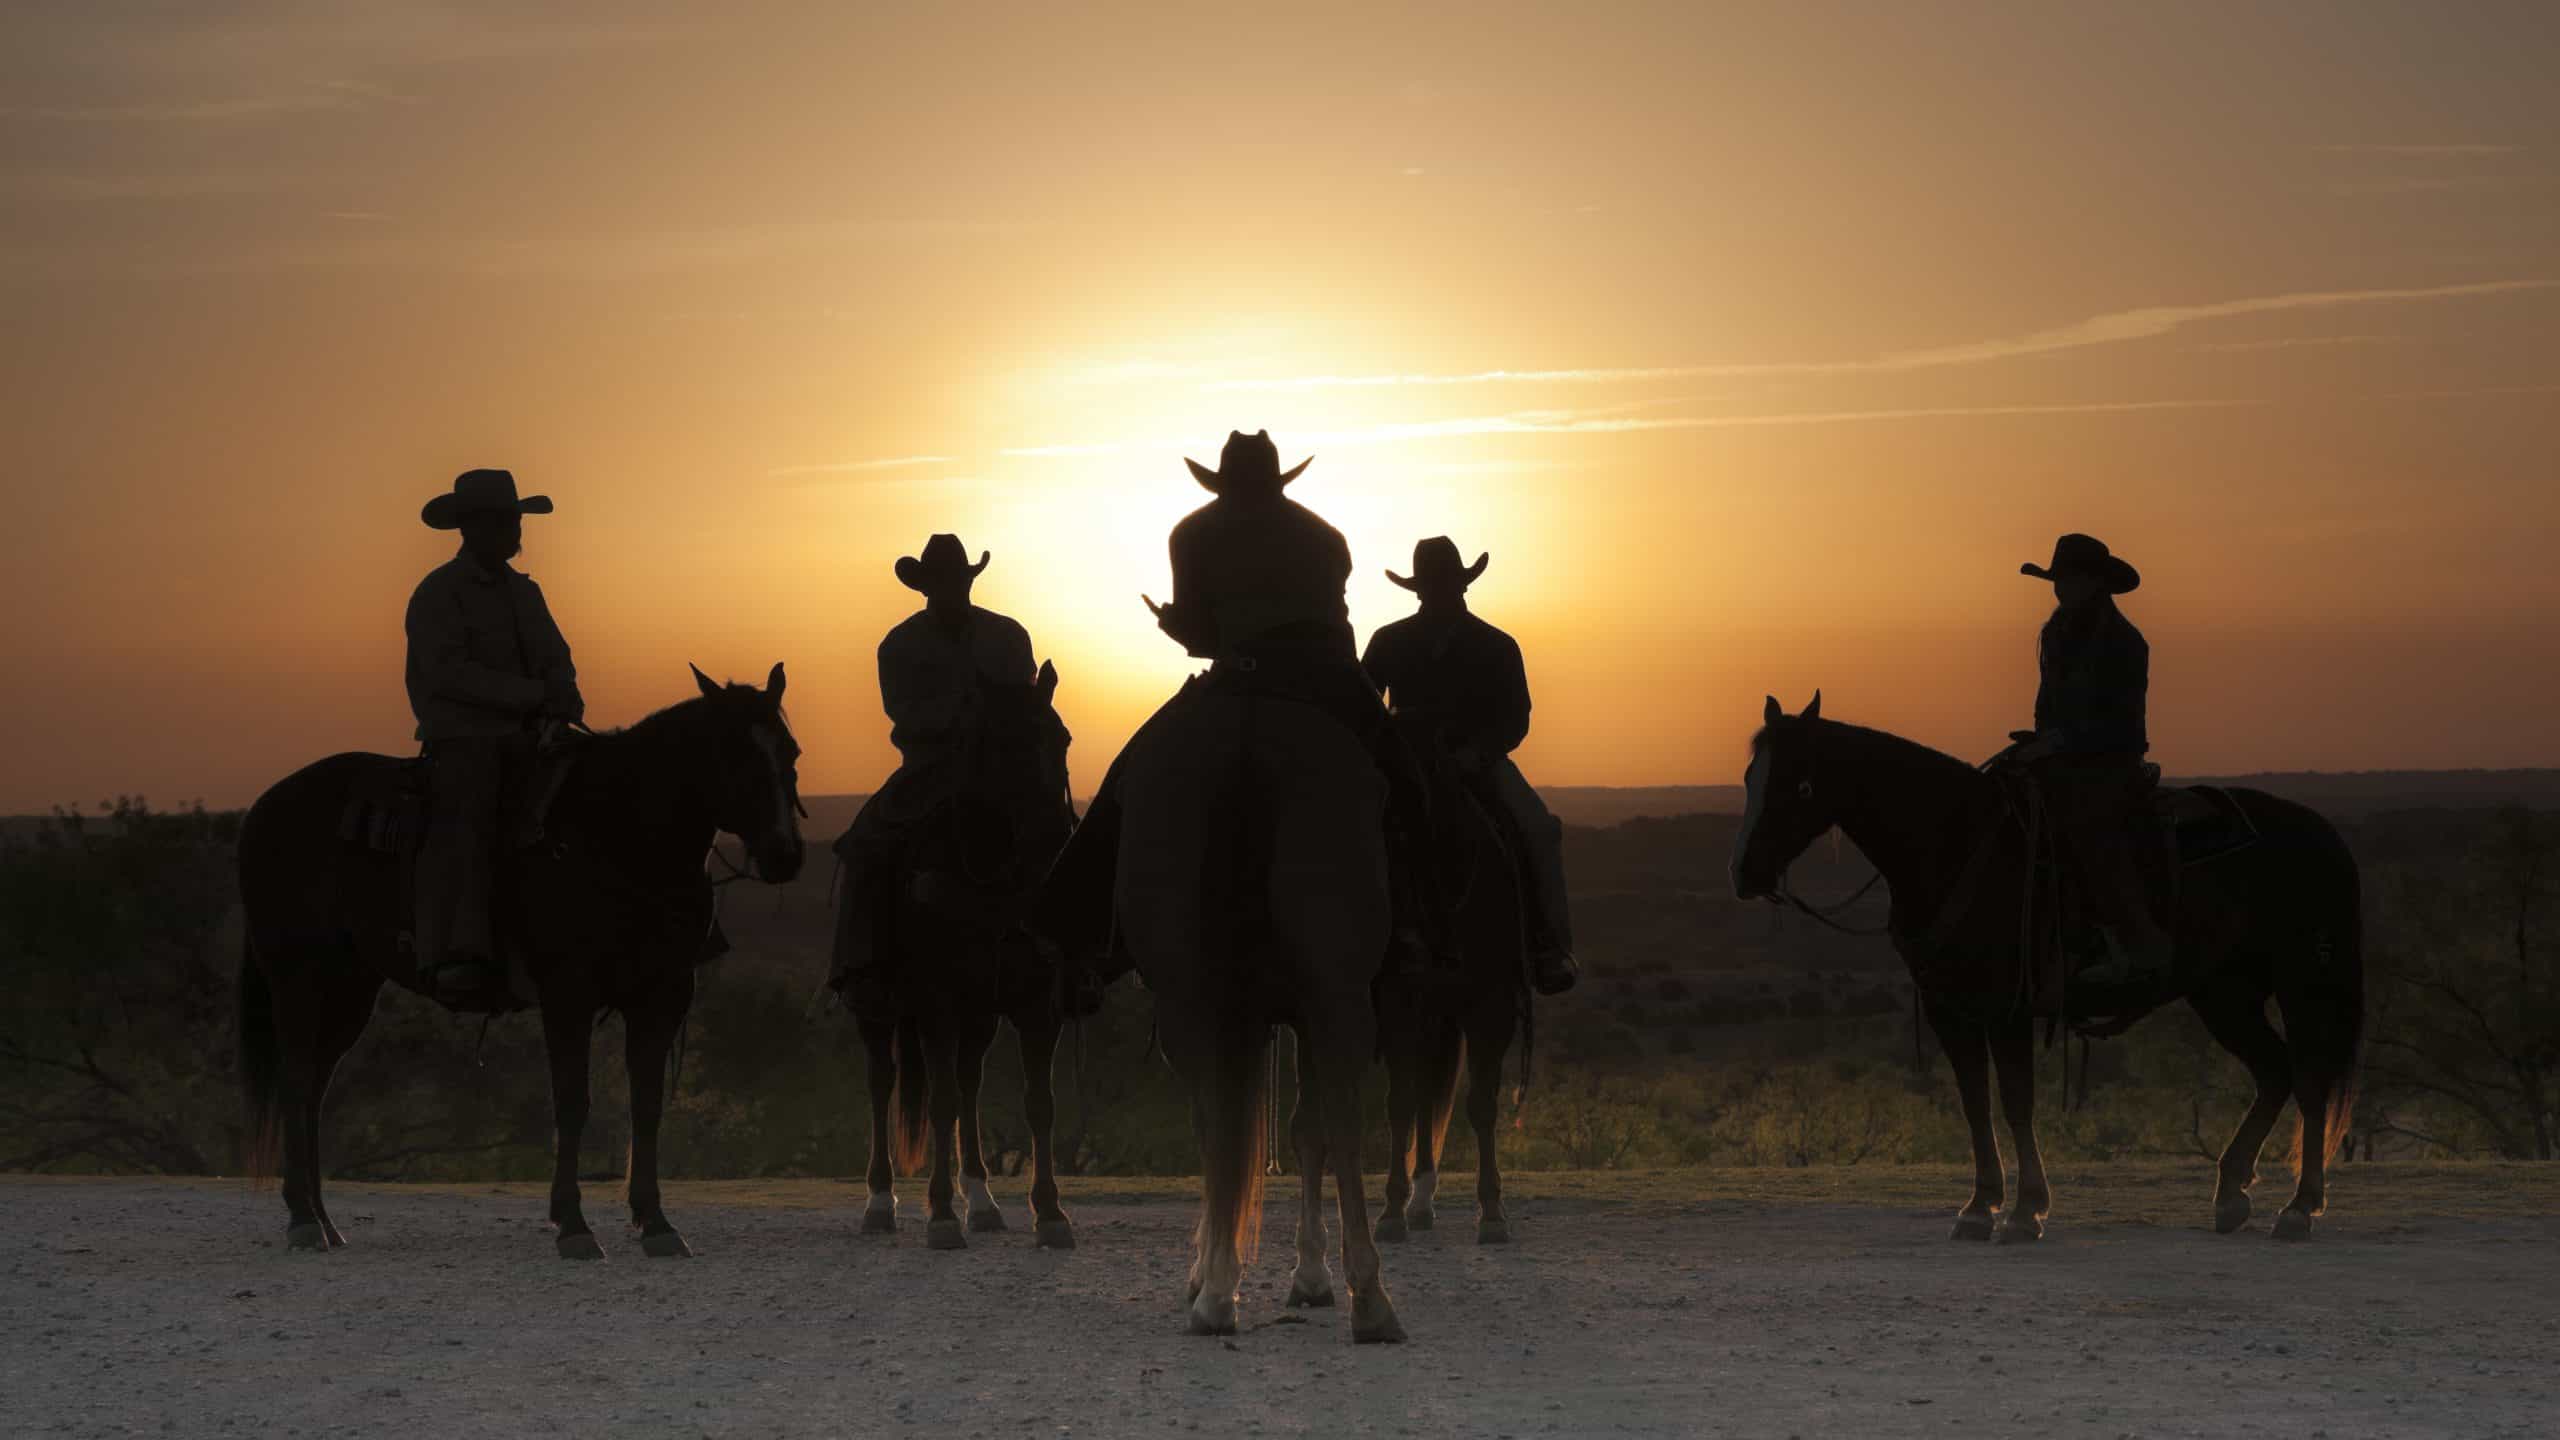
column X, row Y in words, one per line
column 487, row 666
column 1460, row 681
column 933, row 667
column 1258, row 583
column 2088, row 752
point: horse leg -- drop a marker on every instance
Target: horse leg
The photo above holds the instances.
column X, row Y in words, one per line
column 1311, row 1283
column 2238, row 1020
column 1969, row 1055
column 1225, row 1066
column 1404, row 1085
column 1050, row 1227
column 350, row 1009
column 1338, row 1052
column 564, row 1035
column 648, row 1035
column 972, row 1036
column 2013, row 1051
column 942, row 1229
column 879, row 1045
column 2315, row 1080
column 1484, row 1115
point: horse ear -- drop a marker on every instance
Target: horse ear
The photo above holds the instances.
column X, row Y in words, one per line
column 773, row 682
column 701, row 679
column 1813, row 711
column 1048, row 681
column 1772, row 712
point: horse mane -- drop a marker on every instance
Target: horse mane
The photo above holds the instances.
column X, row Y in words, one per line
column 1863, row 739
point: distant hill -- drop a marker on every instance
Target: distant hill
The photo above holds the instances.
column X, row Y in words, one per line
column 2345, row 794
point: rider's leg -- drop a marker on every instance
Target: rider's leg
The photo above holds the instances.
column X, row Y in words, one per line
column 465, row 780
column 2095, row 809
column 1540, row 836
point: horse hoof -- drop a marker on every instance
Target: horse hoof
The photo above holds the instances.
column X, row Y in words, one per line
column 1391, row 1229
column 2230, row 1213
column 1054, row 1235
column 1418, row 1219
column 1208, row 1319
column 1972, row 1227
column 1381, row 1328
column 330, row 1233
column 879, row 1222
column 2293, row 1225
column 306, row 1236
column 945, row 1235
column 1314, row 1294
column 987, row 1221
column 2018, row 1230
column 581, row 1246
column 665, row 1245
column 1493, row 1232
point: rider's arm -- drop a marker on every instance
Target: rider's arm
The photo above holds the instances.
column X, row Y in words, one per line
column 1507, row 723
column 1187, row 616
column 440, row 649
column 549, row 659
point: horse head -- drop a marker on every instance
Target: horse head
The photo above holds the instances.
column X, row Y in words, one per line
column 1785, row 808
column 755, row 770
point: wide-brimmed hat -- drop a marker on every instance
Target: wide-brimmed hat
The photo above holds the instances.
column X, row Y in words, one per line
column 945, row 561
column 1436, row 562
column 1249, row 462
column 477, row 492
column 2086, row 555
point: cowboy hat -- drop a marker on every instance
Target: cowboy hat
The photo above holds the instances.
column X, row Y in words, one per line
column 2086, row 555
column 477, row 492
column 944, row 561
column 1248, row 462
column 1436, row 562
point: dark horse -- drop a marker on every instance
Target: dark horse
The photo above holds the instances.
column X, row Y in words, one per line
column 609, row 913
column 1466, row 1019
column 964, row 961
column 2279, row 918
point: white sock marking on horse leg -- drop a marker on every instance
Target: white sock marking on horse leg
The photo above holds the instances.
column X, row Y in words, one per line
column 980, row 1198
column 1423, row 1184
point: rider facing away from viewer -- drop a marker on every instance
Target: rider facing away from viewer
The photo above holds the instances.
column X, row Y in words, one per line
column 1460, row 682
column 932, row 668
column 1258, row 590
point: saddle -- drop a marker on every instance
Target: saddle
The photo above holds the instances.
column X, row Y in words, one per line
column 2195, row 825
column 387, row 812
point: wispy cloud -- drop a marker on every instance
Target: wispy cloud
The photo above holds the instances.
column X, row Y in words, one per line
column 2113, row 328
column 2415, row 152
column 857, row 467
column 1612, row 420
column 2434, row 184
column 2291, row 342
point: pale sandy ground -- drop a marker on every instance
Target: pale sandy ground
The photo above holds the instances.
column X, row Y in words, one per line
column 170, row 1307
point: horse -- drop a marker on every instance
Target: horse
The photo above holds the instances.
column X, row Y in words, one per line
column 1253, row 892
column 1434, row 1028
column 2281, row 918
column 963, row 961
column 611, row 912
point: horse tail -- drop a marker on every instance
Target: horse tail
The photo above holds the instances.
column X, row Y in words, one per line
column 908, row 1100
column 2326, row 1027
column 261, row 1063
column 1234, row 1141
column 1448, row 1064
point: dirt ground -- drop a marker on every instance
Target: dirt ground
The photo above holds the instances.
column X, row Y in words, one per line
column 1691, row 1303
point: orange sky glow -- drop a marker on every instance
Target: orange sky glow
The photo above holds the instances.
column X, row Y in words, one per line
column 1758, row 344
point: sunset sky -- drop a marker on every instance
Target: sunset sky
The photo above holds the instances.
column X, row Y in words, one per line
column 1757, row 344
